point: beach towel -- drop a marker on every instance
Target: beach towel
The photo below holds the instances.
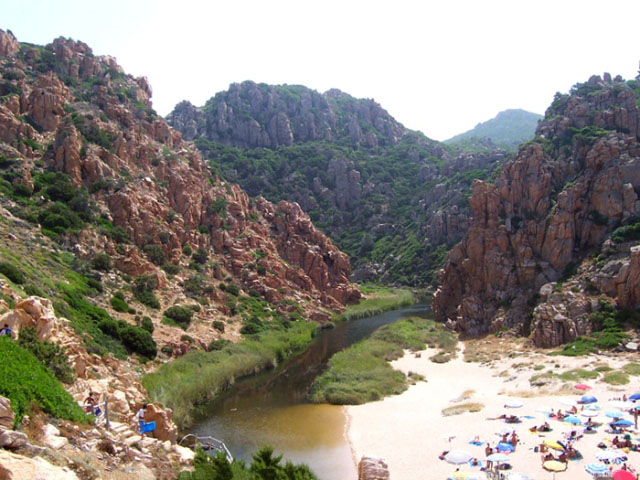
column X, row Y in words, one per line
column 478, row 444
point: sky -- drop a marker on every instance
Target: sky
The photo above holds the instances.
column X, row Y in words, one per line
column 440, row 67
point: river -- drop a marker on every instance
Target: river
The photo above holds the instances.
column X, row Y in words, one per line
column 271, row 408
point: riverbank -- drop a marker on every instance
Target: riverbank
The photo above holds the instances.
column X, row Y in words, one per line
column 377, row 300
column 411, row 430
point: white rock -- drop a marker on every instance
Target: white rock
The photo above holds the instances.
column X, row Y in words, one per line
column 17, row 467
column 186, row 454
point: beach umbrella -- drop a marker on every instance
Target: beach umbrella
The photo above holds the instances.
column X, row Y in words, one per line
column 582, row 386
column 621, row 404
column 505, row 447
column 635, row 396
column 614, row 414
column 507, row 431
column 569, row 402
column 588, row 399
column 554, row 445
column 458, row 457
column 589, row 413
column 513, row 404
column 622, row 423
column 573, row 420
column 623, row 475
column 498, row 458
column 554, row 466
column 596, row 468
column 609, row 455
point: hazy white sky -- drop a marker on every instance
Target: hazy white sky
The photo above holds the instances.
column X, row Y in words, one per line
column 439, row 67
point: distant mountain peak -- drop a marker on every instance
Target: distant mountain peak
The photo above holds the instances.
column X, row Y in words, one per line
column 507, row 129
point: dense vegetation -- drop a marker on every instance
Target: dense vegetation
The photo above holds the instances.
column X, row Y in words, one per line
column 361, row 373
column 264, row 466
column 508, row 129
column 197, row 377
column 26, row 381
column 377, row 300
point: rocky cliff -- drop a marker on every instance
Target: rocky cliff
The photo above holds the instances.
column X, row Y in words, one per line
column 540, row 225
column 393, row 199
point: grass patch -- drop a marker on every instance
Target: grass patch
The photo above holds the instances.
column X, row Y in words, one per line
column 462, row 408
column 632, row 368
column 23, row 379
column 616, row 378
column 578, row 374
column 379, row 300
column 198, row 377
column 361, row 374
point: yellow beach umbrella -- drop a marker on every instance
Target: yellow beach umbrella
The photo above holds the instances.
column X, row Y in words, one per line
column 554, row 466
column 554, row 445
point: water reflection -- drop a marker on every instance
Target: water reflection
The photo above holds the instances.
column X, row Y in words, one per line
column 271, row 408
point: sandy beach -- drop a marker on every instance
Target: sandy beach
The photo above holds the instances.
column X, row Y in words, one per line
column 409, row 431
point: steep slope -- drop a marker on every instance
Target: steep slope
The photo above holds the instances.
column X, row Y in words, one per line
column 508, row 129
column 392, row 199
column 547, row 221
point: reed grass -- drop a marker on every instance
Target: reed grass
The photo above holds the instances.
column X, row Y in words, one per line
column 378, row 300
column 462, row 408
column 196, row 378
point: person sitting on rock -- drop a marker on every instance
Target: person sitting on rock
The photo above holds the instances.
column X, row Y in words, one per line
column 6, row 330
column 90, row 403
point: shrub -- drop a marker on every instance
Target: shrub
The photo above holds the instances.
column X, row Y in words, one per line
column 12, row 273
column 200, row 256
column 118, row 304
column 147, row 324
column 186, row 338
column 233, row 289
column 24, row 379
column 31, row 289
column 138, row 340
column 101, row 261
column 180, row 315
column 155, row 254
column 171, row 269
column 50, row 354
column 218, row 325
column 261, row 269
column 187, row 250
column 218, row 344
column 143, row 290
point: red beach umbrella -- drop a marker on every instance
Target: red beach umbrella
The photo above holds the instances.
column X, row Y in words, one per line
column 623, row 475
column 582, row 386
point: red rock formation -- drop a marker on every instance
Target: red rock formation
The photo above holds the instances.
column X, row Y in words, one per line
column 555, row 201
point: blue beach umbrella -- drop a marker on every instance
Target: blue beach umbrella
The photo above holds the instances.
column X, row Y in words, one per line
column 505, row 447
column 635, row 396
column 588, row 399
column 596, row 468
column 573, row 419
column 614, row 413
column 622, row 423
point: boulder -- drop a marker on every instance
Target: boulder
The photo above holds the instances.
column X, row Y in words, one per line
column 165, row 428
column 12, row 439
column 6, row 413
column 18, row 467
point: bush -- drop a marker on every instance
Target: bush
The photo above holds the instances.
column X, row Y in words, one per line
column 171, row 269
column 200, row 256
column 186, row 338
column 187, row 250
column 31, row 289
column 12, row 273
column 218, row 325
column 25, row 380
column 233, row 289
column 138, row 340
column 53, row 356
column 155, row 254
column 147, row 325
column 118, row 304
column 143, row 290
column 180, row 315
column 101, row 261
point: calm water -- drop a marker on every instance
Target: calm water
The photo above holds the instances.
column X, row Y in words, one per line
column 271, row 408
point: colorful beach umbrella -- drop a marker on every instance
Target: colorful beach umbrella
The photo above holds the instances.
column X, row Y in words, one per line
column 582, row 386
column 635, row 396
column 614, row 414
column 498, row 458
column 593, row 407
column 609, row 455
column 505, row 447
column 554, row 445
column 623, row 475
column 458, row 457
column 589, row 413
column 588, row 399
column 513, row 404
column 596, row 468
column 622, row 423
column 569, row 402
column 573, row 420
column 554, row 466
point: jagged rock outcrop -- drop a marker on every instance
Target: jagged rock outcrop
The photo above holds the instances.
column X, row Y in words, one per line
column 8, row 44
column 260, row 115
column 18, row 467
column 555, row 202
